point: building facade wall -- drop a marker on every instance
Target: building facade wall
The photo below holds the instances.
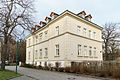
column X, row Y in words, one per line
column 71, row 33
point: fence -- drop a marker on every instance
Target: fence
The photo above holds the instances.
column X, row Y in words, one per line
column 102, row 69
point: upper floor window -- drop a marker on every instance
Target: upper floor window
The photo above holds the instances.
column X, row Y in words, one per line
column 78, row 29
column 57, row 49
column 36, row 38
column 84, row 31
column 94, row 35
column 79, row 49
column 90, row 51
column 89, row 34
column 46, row 52
column 40, row 53
column 57, row 30
column 40, row 36
column 46, row 33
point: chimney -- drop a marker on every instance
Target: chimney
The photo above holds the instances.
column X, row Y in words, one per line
column 33, row 29
column 53, row 15
column 37, row 27
column 42, row 23
column 47, row 19
column 82, row 14
column 88, row 17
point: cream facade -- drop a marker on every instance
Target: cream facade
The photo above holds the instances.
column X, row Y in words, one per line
column 64, row 39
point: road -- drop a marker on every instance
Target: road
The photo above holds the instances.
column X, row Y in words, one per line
column 48, row 75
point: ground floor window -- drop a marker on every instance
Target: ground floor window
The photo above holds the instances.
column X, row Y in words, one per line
column 90, row 51
column 57, row 49
column 79, row 49
column 29, row 55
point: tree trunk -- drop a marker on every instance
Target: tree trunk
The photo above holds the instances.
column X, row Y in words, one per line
column 106, row 51
column 4, row 53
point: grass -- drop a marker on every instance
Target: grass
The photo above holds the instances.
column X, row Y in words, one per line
column 6, row 75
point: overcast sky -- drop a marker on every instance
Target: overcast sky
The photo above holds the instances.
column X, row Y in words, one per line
column 102, row 10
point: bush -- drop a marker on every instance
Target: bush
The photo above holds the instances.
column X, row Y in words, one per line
column 61, row 69
column 46, row 68
column 116, row 72
column 28, row 66
column 40, row 67
column 67, row 69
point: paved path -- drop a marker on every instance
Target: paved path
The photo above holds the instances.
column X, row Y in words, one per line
column 23, row 78
column 33, row 74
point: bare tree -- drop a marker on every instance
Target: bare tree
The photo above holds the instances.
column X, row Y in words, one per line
column 110, row 34
column 15, row 15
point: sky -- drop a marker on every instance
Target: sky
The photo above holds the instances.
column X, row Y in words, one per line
column 102, row 11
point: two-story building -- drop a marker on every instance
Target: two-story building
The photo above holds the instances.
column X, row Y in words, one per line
column 64, row 38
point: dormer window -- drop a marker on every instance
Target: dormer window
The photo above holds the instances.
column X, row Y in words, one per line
column 42, row 23
column 37, row 27
column 88, row 17
column 47, row 19
column 82, row 14
column 53, row 15
column 33, row 30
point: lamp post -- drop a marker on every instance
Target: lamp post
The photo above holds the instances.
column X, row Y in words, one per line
column 17, row 52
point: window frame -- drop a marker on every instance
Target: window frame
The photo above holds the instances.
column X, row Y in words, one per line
column 46, row 52
column 79, row 50
column 57, row 30
column 90, row 51
column 57, row 50
column 40, row 54
column 36, row 54
column 84, row 32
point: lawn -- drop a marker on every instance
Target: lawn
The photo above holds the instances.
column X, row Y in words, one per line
column 5, row 75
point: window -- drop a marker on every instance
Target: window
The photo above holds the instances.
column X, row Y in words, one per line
column 57, row 49
column 29, row 42
column 84, row 31
column 94, row 51
column 89, row 34
column 36, row 54
column 28, row 55
column 46, row 33
column 40, row 53
column 79, row 49
column 78, row 29
column 40, row 36
column 57, row 30
column 94, row 35
column 90, row 51
column 36, row 39
column 85, row 50
column 46, row 52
